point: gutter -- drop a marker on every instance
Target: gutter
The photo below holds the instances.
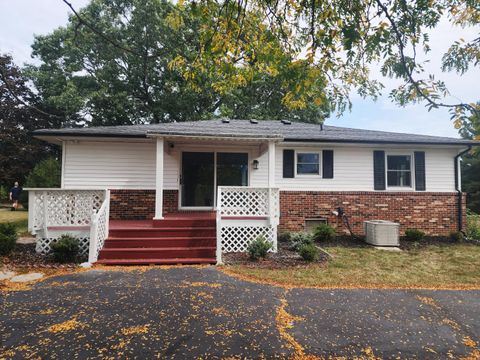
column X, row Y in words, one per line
column 459, row 190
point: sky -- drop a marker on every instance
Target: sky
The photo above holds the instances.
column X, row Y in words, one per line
column 20, row 20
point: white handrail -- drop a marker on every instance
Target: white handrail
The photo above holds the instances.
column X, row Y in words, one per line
column 99, row 229
column 219, row 226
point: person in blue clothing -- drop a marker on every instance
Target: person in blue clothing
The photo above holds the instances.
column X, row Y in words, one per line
column 15, row 192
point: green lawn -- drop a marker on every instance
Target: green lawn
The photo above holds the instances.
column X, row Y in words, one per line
column 446, row 266
column 19, row 218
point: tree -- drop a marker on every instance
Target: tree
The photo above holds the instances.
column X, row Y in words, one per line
column 338, row 41
column 121, row 62
column 19, row 115
column 46, row 174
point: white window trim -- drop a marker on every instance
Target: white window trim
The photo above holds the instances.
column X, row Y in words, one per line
column 320, row 164
column 412, row 171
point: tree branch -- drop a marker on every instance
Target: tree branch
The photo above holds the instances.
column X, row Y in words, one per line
column 409, row 72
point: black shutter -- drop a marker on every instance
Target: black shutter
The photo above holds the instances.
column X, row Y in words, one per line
column 379, row 170
column 288, row 163
column 420, row 171
column 327, row 159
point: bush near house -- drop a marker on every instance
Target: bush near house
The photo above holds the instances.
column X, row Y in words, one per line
column 308, row 252
column 8, row 238
column 414, row 235
column 259, row 248
column 284, row 237
column 473, row 226
column 299, row 239
column 324, row 232
column 456, row 236
column 65, row 249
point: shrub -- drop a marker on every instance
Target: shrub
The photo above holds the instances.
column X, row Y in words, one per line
column 284, row 237
column 8, row 238
column 473, row 227
column 324, row 232
column 299, row 239
column 65, row 249
column 46, row 174
column 414, row 235
column 456, row 236
column 309, row 252
column 258, row 248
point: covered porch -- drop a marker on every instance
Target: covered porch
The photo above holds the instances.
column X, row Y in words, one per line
column 226, row 197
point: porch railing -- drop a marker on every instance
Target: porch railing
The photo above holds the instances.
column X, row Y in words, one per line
column 243, row 214
column 99, row 228
column 53, row 212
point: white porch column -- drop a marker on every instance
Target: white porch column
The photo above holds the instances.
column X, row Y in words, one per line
column 159, row 180
column 271, row 164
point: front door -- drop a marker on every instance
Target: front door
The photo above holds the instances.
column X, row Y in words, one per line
column 202, row 172
column 198, row 179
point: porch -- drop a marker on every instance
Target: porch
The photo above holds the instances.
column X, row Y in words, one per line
column 189, row 237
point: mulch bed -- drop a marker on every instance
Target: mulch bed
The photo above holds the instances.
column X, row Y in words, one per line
column 24, row 256
column 281, row 259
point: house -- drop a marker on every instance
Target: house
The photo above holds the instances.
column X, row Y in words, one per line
column 186, row 192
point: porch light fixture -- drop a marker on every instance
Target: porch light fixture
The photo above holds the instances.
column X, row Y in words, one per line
column 255, row 164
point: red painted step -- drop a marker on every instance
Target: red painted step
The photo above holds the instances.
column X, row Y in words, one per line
column 163, row 242
column 157, row 253
column 183, row 222
column 200, row 231
column 174, row 261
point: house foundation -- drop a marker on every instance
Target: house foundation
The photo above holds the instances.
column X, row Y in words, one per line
column 435, row 213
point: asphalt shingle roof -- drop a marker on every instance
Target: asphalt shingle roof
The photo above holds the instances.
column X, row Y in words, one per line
column 295, row 131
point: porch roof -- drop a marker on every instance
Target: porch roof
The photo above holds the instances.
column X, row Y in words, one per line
column 264, row 129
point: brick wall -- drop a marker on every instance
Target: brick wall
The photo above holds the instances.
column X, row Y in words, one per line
column 434, row 213
column 139, row 204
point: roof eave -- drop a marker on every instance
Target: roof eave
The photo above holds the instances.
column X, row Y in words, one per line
column 384, row 142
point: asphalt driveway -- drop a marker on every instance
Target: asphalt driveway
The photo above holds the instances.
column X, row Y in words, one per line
column 189, row 312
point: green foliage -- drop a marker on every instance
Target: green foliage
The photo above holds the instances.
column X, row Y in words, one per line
column 456, row 236
column 414, row 235
column 473, row 226
column 324, row 232
column 46, row 174
column 332, row 49
column 153, row 67
column 284, row 237
column 65, row 249
column 259, row 248
column 19, row 152
column 3, row 193
column 8, row 238
column 308, row 252
column 300, row 238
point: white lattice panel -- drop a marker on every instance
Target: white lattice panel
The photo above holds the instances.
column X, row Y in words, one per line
column 237, row 238
column 244, row 201
column 43, row 245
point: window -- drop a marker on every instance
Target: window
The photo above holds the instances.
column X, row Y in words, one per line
column 308, row 163
column 399, row 170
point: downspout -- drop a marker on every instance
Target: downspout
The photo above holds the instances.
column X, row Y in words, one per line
column 459, row 190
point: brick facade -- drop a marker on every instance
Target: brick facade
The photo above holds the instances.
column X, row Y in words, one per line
column 434, row 213
column 140, row 204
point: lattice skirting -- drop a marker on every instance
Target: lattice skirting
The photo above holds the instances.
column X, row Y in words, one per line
column 237, row 238
column 43, row 244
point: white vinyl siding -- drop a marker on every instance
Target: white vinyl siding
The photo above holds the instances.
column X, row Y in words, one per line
column 113, row 165
column 353, row 169
column 131, row 165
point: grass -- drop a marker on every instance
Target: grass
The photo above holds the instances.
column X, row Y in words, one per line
column 447, row 266
column 19, row 218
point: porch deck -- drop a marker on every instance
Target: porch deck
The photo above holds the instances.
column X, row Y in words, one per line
column 180, row 238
